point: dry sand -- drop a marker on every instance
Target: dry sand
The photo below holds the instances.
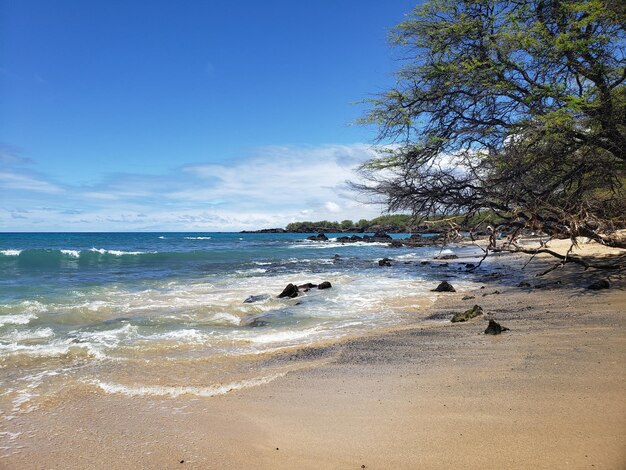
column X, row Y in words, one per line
column 549, row 394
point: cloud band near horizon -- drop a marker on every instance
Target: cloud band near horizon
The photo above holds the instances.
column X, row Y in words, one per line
column 270, row 187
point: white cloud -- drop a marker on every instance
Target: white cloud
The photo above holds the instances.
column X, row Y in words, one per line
column 25, row 182
column 270, row 188
column 332, row 207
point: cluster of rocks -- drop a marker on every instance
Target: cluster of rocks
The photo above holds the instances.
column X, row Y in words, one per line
column 292, row 290
column 494, row 328
column 415, row 240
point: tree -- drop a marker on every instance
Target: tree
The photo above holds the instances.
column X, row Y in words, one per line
column 516, row 108
column 347, row 224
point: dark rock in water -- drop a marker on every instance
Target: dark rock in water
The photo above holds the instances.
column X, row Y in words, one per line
column 290, row 291
column 447, row 257
column 308, row 285
column 495, row 328
column 424, row 262
column 600, row 284
column 256, row 323
column 523, row 284
column 468, row 297
column 256, row 298
column 445, row 286
column 443, row 265
column 325, row 285
column 320, row 237
column 396, row 244
column 384, row 262
column 343, row 239
column 382, row 235
column 336, row 256
column 468, row 314
column 470, row 265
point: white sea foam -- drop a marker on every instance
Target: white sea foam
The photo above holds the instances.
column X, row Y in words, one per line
column 186, row 336
column 16, row 336
column 173, row 392
column 53, row 349
column 19, row 319
column 72, row 253
column 103, row 251
column 283, row 336
column 108, row 338
column 25, row 395
column 10, row 252
column 226, row 317
column 197, row 238
column 251, row 271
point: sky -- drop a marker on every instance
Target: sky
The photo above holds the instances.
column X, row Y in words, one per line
column 202, row 115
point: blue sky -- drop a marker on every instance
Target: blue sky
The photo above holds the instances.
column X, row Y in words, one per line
column 196, row 115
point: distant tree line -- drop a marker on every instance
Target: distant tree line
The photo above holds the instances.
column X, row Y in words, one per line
column 396, row 222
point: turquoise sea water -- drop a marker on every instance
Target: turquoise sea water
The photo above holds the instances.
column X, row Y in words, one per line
column 158, row 313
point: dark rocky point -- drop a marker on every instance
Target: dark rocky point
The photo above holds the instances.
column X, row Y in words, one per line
column 290, row 291
column 324, row 285
column 495, row 328
column 445, row 286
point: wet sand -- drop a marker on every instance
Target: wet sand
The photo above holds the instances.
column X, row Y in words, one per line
column 549, row 393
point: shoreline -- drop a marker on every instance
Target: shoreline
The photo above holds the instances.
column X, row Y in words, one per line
column 547, row 394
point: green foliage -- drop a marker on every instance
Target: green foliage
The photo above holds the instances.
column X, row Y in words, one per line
column 346, row 224
column 396, row 222
column 518, row 108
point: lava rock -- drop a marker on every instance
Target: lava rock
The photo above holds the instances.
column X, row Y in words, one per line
column 600, row 284
column 495, row 328
column 445, row 286
column 475, row 311
column 384, row 262
column 325, row 285
column 320, row 237
column 291, row 291
column 256, row 298
column 453, row 256
column 308, row 285
column 382, row 235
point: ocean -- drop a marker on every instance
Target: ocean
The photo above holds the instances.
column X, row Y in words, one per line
column 164, row 314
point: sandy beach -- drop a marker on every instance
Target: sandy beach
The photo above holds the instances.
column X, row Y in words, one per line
column 549, row 394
